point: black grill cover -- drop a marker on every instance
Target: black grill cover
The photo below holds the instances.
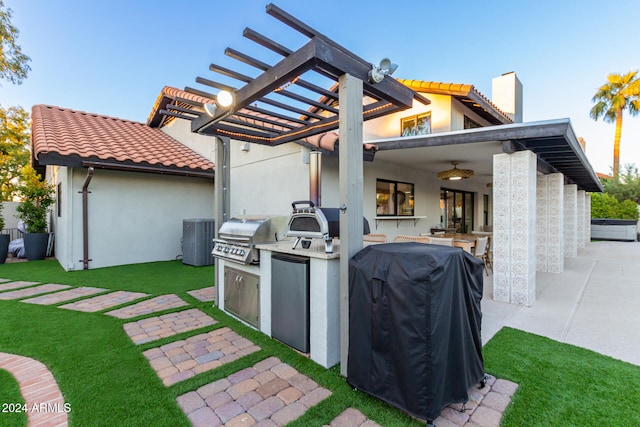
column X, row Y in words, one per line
column 414, row 325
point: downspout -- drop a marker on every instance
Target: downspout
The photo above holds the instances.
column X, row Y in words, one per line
column 85, row 219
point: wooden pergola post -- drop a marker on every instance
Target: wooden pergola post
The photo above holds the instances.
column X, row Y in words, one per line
column 351, row 194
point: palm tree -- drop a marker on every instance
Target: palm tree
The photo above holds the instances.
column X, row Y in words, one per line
column 621, row 92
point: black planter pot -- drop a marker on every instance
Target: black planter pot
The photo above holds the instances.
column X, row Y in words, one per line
column 35, row 245
column 4, row 247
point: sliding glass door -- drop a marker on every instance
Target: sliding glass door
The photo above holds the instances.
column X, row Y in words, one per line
column 456, row 210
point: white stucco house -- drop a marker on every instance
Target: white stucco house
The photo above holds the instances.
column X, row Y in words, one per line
column 540, row 165
column 139, row 184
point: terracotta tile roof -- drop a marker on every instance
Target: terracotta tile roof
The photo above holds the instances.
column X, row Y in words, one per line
column 465, row 93
column 172, row 95
column 325, row 141
column 68, row 134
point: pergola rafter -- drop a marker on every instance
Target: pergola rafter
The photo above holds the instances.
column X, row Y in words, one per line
column 269, row 108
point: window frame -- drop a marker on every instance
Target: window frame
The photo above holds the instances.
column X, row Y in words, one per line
column 394, row 193
column 415, row 120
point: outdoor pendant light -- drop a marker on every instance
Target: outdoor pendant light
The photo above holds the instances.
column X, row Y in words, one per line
column 455, row 173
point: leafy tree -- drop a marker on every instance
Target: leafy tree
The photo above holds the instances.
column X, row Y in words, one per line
column 13, row 63
column 627, row 187
column 621, row 92
column 14, row 152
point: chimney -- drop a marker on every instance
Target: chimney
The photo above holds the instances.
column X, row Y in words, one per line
column 583, row 144
column 506, row 94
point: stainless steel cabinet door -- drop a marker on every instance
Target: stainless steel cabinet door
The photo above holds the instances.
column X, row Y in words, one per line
column 242, row 295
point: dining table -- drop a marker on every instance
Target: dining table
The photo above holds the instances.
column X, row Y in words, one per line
column 461, row 240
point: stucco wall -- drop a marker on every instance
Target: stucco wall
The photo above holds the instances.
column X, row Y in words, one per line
column 265, row 180
column 180, row 130
column 9, row 214
column 133, row 217
column 447, row 114
column 427, row 195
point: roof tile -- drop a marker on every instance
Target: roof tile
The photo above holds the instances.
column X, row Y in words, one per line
column 76, row 133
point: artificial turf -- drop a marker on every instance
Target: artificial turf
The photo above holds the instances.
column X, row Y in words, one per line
column 562, row 385
column 108, row 381
column 154, row 278
column 12, row 409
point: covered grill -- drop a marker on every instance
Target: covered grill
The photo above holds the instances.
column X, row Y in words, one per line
column 238, row 237
column 414, row 325
column 311, row 222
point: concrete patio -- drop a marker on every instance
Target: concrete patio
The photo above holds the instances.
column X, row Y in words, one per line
column 593, row 304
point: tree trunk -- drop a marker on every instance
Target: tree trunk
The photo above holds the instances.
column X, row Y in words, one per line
column 616, row 145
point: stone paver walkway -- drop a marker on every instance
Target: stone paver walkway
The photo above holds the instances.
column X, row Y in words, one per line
column 184, row 359
column 204, row 294
column 15, row 285
column 351, row 417
column 103, row 302
column 43, row 399
column 484, row 408
column 154, row 328
column 28, row 292
column 270, row 393
column 63, row 296
column 153, row 305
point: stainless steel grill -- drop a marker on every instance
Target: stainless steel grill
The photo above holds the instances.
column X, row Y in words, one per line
column 238, row 237
column 312, row 222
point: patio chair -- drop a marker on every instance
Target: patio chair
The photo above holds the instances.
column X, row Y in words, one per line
column 444, row 241
column 375, row 238
column 482, row 250
column 488, row 257
column 404, row 238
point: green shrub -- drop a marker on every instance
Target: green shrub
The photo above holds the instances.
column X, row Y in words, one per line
column 604, row 205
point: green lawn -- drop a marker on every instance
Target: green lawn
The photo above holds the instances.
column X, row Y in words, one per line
column 108, row 381
column 154, row 277
column 563, row 385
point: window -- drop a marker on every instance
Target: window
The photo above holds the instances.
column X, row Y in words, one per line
column 456, row 210
column 394, row 198
column 471, row 124
column 416, row 125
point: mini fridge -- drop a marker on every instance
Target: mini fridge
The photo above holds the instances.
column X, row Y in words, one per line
column 290, row 300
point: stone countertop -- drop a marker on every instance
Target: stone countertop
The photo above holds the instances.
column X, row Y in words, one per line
column 316, row 250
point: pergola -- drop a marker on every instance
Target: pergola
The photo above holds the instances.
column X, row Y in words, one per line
column 284, row 103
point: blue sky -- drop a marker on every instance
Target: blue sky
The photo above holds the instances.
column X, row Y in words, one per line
column 114, row 57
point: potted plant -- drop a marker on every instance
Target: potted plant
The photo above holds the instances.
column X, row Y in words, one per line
column 4, row 239
column 37, row 196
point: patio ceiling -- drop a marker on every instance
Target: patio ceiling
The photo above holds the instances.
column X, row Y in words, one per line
column 292, row 100
column 553, row 141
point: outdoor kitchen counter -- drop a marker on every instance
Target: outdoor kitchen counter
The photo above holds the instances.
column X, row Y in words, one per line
column 324, row 296
column 316, row 250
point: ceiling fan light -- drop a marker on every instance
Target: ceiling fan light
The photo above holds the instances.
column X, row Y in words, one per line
column 455, row 174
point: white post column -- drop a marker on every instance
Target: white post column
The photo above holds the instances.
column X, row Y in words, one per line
column 550, row 223
column 351, row 194
column 570, row 221
column 580, row 216
column 587, row 218
column 541, row 223
column 514, row 232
